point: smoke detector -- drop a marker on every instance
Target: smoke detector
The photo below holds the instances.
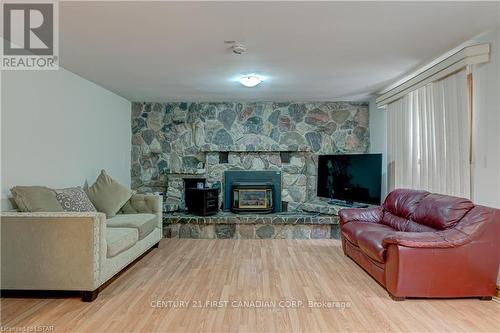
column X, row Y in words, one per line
column 239, row 48
column 236, row 47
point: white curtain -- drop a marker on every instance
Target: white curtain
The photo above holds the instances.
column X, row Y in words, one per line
column 428, row 138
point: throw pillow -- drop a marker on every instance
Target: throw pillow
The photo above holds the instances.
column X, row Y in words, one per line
column 74, row 199
column 107, row 195
column 36, row 199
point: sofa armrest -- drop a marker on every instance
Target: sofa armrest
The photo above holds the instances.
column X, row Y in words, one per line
column 439, row 239
column 145, row 203
column 469, row 270
column 52, row 251
column 468, row 254
column 371, row 214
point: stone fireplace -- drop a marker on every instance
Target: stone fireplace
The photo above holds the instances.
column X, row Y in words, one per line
column 175, row 141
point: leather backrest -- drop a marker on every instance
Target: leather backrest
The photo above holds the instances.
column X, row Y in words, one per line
column 403, row 202
column 398, row 208
column 403, row 224
column 441, row 211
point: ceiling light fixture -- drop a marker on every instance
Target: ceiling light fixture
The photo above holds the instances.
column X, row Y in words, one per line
column 250, row 80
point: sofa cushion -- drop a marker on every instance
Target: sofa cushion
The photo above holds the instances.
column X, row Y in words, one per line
column 74, row 199
column 441, row 211
column 403, row 224
column 120, row 239
column 403, row 202
column 353, row 230
column 370, row 242
column 144, row 223
column 35, row 199
column 142, row 203
column 107, row 195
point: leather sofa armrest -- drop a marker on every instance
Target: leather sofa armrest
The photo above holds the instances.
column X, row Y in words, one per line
column 441, row 263
column 145, row 203
column 52, row 250
column 371, row 214
column 439, row 239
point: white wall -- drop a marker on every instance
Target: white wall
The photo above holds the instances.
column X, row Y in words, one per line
column 378, row 139
column 486, row 125
column 60, row 130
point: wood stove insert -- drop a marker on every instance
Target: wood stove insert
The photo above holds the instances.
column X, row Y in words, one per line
column 249, row 197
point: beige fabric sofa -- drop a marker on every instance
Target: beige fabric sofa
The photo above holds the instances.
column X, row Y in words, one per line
column 68, row 251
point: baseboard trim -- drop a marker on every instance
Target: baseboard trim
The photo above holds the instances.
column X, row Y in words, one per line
column 498, row 291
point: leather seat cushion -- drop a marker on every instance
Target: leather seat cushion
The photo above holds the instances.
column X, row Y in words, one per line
column 120, row 239
column 353, row 230
column 144, row 223
column 370, row 242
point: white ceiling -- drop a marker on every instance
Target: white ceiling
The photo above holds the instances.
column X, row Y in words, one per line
column 170, row 51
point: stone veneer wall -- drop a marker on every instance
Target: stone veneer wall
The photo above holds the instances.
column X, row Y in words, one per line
column 171, row 141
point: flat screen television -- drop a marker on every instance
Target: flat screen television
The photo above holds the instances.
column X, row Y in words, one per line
column 350, row 178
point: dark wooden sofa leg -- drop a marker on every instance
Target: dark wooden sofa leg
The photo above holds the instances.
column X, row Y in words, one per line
column 486, row 298
column 89, row 296
column 396, row 298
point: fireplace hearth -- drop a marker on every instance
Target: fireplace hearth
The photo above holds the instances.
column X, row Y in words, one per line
column 252, row 191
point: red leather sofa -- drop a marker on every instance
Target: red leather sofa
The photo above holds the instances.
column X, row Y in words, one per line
column 419, row 244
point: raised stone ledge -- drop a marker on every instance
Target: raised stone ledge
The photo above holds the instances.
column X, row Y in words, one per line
column 231, row 218
column 187, row 172
column 317, row 206
column 258, row 148
column 252, row 231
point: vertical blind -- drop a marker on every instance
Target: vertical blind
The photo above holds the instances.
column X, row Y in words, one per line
column 428, row 138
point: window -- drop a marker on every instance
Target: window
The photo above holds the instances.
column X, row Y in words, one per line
column 429, row 138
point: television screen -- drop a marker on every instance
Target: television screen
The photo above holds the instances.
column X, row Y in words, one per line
column 351, row 178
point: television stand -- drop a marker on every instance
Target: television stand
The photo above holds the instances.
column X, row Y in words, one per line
column 344, row 203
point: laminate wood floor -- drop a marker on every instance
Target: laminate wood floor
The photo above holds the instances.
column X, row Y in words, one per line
column 260, row 280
